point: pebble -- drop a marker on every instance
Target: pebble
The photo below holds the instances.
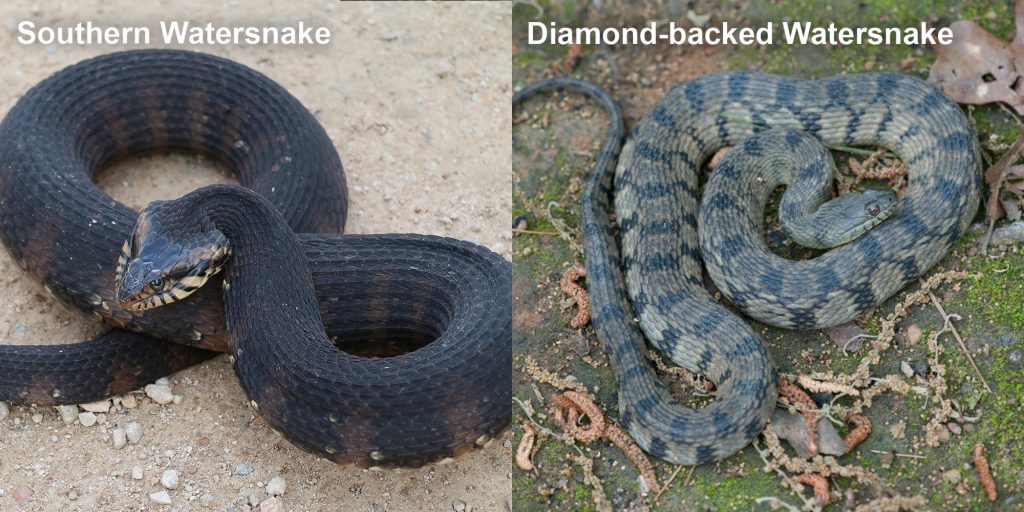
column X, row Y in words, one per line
column 68, row 413
column 134, row 432
column 169, row 479
column 243, row 469
column 459, row 506
column 101, row 406
column 4, row 410
column 160, row 394
column 276, row 486
column 120, row 438
column 37, row 418
column 952, row 476
column 161, row 497
column 272, row 505
column 206, row 500
column 136, row 473
column 954, row 427
column 1016, row 360
column 87, row 419
column 22, row 493
column 907, row 369
column 129, row 402
column 913, row 334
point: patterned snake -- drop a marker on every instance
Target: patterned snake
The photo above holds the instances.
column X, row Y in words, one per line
column 655, row 289
column 440, row 308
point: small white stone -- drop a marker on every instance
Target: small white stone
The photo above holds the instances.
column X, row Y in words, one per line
column 137, row 473
column 177, row 399
column 134, row 432
column 277, row 486
column 161, row 497
column 101, row 406
column 207, row 500
column 272, row 505
column 87, row 419
column 120, row 438
column 169, row 479
column 37, row 418
column 163, row 381
column 129, row 402
column 160, row 394
column 68, row 413
column 4, row 410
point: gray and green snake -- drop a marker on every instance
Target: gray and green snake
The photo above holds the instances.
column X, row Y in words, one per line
column 646, row 280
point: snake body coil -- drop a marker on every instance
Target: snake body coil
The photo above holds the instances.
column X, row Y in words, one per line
column 658, row 278
column 446, row 299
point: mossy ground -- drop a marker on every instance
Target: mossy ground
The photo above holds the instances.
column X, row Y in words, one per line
column 554, row 145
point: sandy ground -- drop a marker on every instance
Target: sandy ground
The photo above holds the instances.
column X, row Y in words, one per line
column 416, row 99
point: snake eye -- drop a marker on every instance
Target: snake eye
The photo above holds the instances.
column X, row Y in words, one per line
column 157, row 283
column 874, row 210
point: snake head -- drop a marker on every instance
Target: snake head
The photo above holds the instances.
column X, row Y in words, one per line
column 167, row 257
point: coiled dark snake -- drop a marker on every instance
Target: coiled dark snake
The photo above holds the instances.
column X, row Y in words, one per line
column 443, row 305
column 652, row 272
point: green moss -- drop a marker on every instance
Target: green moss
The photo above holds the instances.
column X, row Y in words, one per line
column 996, row 296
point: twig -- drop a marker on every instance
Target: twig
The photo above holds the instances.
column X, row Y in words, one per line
column 533, row 232
column 956, row 334
column 995, row 176
column 905, row 455
column 540, row 427
column 984, row 474
column 669, row 481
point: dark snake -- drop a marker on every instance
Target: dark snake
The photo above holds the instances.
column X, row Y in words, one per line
column 440, row 307
column 645, row 280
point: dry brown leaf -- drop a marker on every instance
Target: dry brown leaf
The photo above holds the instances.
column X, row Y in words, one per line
column 978, row 67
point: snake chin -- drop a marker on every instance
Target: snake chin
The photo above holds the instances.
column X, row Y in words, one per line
column 165, row 260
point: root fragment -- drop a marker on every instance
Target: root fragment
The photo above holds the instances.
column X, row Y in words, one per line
column 570, row 287
column 860, row 432
column 820, row 486
column 984, row 473
column 525, row 449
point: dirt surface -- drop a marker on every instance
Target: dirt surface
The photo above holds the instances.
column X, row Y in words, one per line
column 556, row 138
column 420, row 118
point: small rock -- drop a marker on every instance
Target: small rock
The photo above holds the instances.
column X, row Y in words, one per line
column 921, row 367
column 120, row 438
column 160, row 394
column 206, row 500
column 134, row 432
column 136, row 473
column 459, row 506
column 4, row 410
column 22, row 493
column 1015, row 359
column 954, row 427
column 886, row 459
column 943, row 433
column 160, row 497
column 169, row 479
column 272, row 505
column 907, row 369
column 129, row 402
column 68, row 413
column 37, row 418
column 951, row 477
column 87, row 419
column 96, row 407
column 243, row 469
column 913, row 334
column 276, row 486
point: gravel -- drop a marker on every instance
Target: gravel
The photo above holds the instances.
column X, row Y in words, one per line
column 272, row 505
column 133, row 431
column 159, row 393
column 87, row 419
column 160, row 497
column 4, row 410
column 243, row 469
column 169, row 479
column 137, row 473
column 120, row 438
column 68, row 413
column 277, row 486
column 101, row 406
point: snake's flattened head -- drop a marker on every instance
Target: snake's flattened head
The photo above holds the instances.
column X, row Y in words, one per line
column 851, row 215
column 166, row 259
